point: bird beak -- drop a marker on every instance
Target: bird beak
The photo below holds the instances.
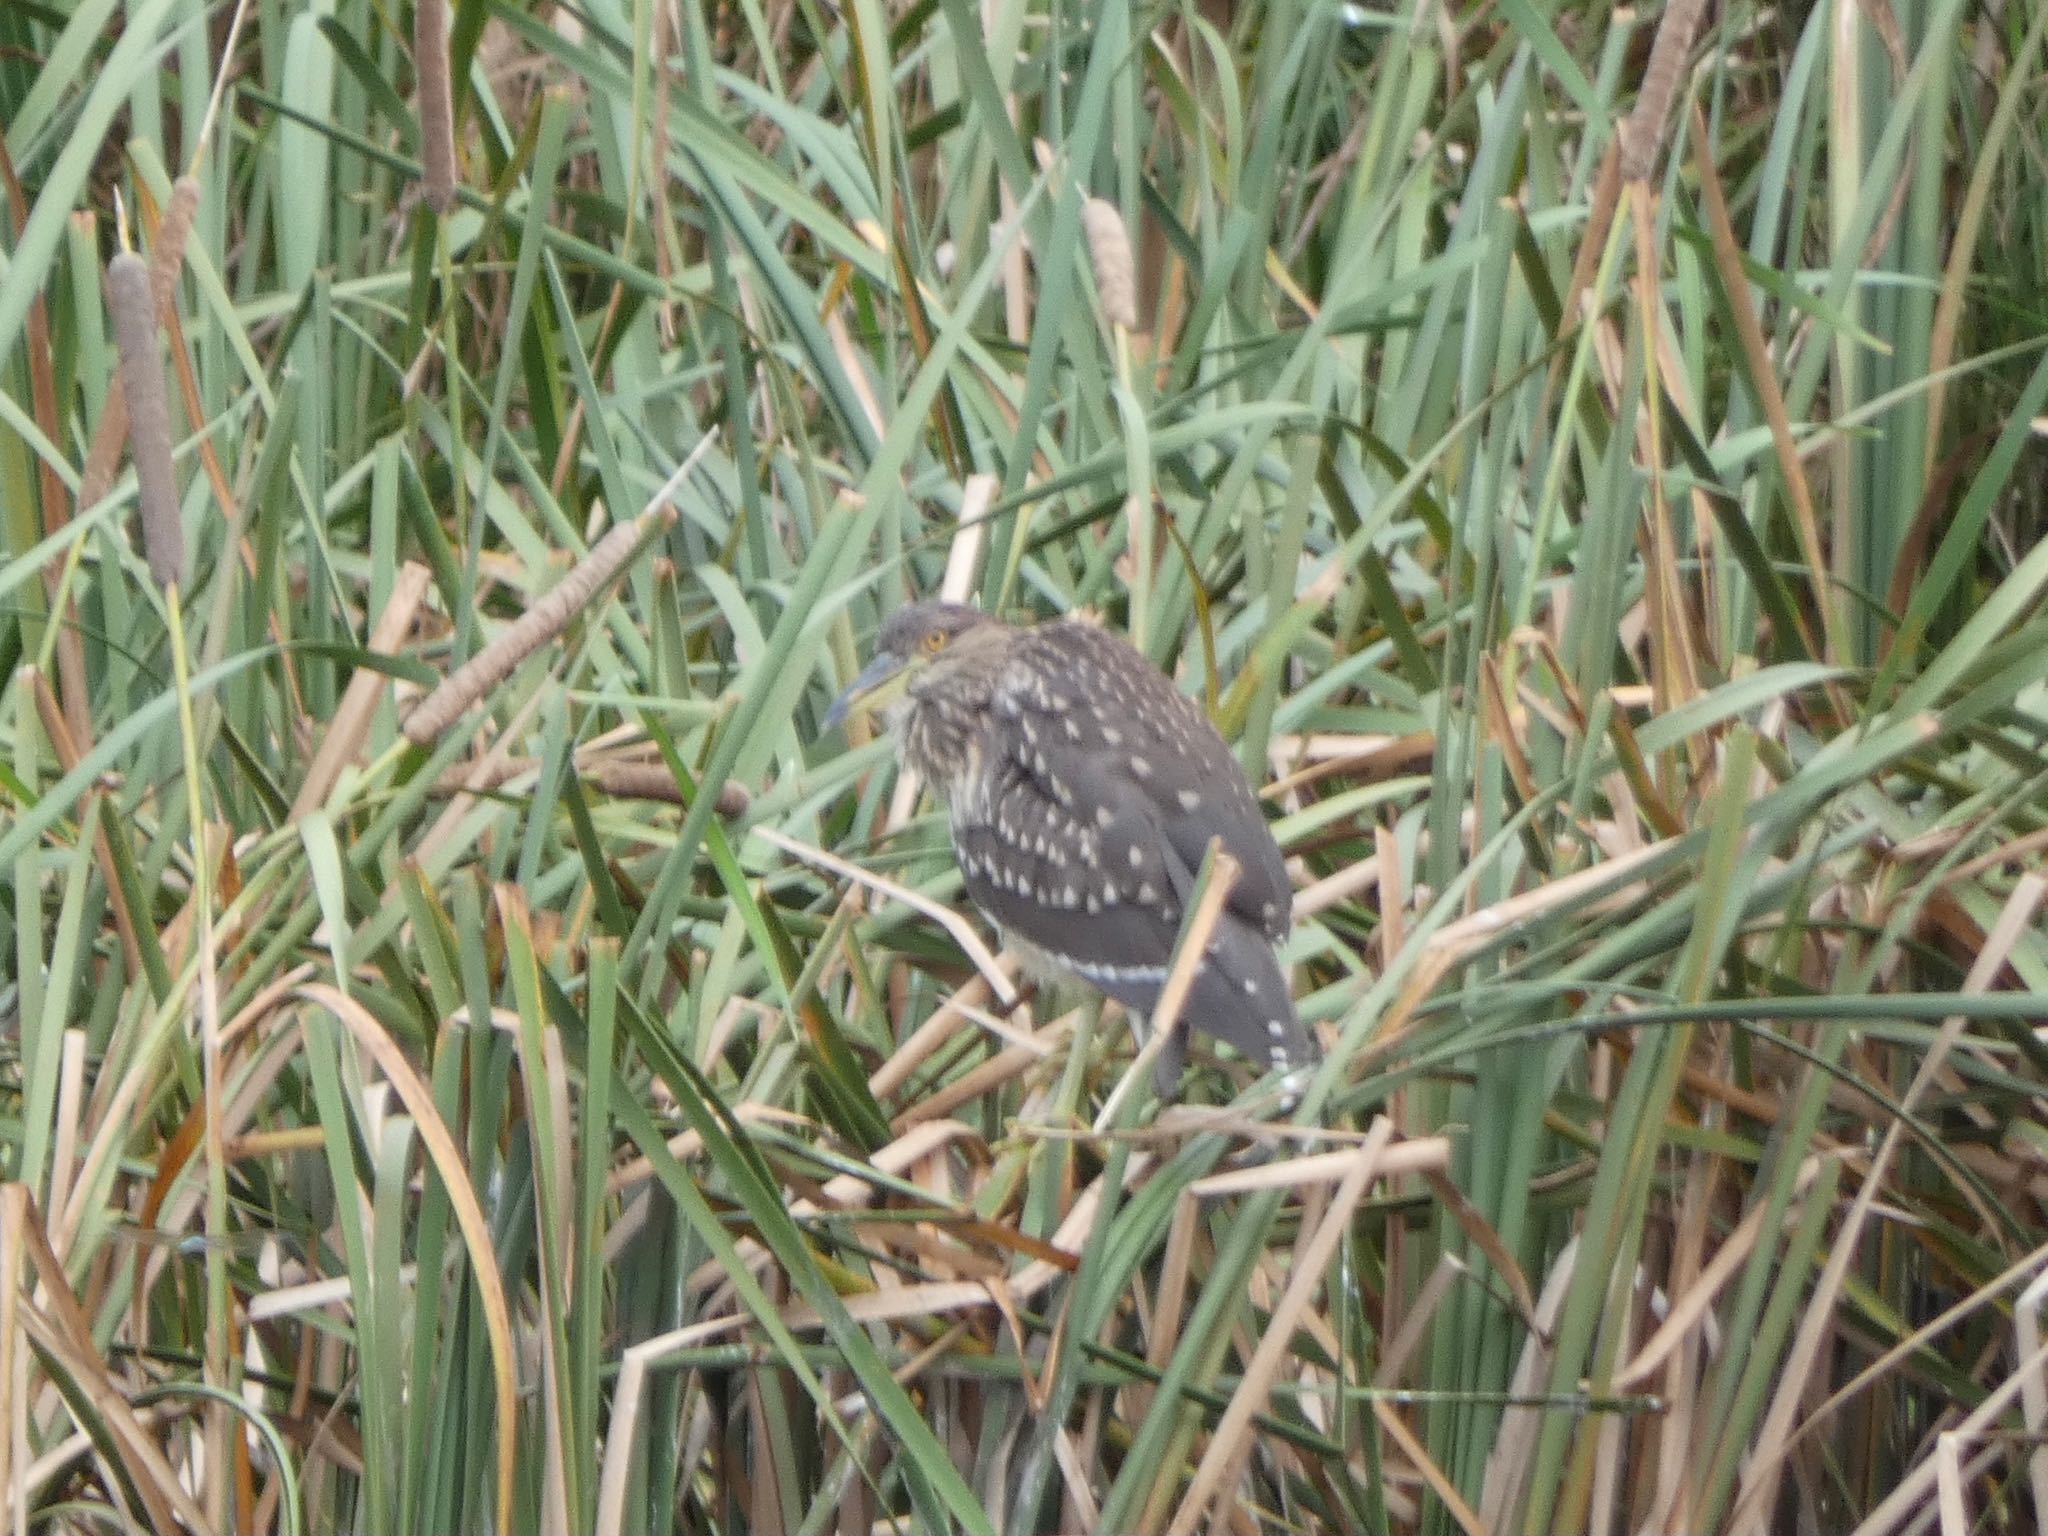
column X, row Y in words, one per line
column 880, row 682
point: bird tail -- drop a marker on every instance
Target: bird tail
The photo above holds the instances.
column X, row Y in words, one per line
column 1240, row 996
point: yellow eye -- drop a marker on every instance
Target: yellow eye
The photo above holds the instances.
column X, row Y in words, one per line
column 934, row 641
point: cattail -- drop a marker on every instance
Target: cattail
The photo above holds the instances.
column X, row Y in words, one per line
column 531, row 630
column 436, row 101
column 653, row 781
column 550, row 616
column 166, row 261
column 1109, row 251
column 1642, row 135
column 621, row 780
column 167, row 254
column 149, row 415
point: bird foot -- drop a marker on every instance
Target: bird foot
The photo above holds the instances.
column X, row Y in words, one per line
column 1170, row 1063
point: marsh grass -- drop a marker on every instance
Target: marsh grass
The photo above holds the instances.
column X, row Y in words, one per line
column 1607, row 519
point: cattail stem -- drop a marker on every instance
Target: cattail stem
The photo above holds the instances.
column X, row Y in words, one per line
column 65, row 744
column 133, row 300
column 206, row 1004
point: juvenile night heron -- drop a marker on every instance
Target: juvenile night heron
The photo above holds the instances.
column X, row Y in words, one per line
column 1083, row 789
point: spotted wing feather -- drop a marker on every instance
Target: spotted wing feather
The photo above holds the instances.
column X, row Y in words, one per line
column 1097, row 704
column 1051, row 873
column 1079, row 866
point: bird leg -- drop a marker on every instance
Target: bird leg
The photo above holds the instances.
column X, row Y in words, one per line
column 1171, row 1061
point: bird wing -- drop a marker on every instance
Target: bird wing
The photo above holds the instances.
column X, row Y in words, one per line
column 1089, row 883
column 1103, row 714
column 1094, row 886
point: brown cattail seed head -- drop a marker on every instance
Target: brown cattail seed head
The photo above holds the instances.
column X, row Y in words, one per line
column 149, row 415
column 1109, row 250
column 167, row 252
column 436, row 102
column 547, row 618
column 166, row 261
column 1642, row 136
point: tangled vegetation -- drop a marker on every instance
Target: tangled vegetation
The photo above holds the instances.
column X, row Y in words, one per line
column 476, row 1056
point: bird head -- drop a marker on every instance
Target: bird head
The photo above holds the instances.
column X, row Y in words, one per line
column 925, row 638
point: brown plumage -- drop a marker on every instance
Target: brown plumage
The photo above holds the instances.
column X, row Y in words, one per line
column 1083, row 789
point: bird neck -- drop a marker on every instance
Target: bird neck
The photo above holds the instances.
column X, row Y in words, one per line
column 941, row 730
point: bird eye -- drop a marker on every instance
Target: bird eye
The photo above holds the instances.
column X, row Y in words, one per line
column 934, row 640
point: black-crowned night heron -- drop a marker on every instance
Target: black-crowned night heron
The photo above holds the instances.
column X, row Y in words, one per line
column 1084, row 789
